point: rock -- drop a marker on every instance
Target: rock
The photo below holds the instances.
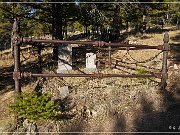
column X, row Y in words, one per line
column 93, row 113
column 132, row 42
column 63, row 91
column 31, row 128
column 26, row 123
column 175, row 67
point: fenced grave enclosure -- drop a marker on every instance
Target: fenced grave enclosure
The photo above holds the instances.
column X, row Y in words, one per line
column 93, row 55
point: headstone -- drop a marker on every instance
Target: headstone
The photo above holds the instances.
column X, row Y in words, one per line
column 90, row 61
column 64, row 59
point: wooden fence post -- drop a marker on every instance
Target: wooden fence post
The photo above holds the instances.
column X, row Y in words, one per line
column 164, row 64
column 109, row 55
column 39, row 58
column 16, row 45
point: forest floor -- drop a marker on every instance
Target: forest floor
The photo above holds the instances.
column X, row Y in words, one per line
column 109, row 104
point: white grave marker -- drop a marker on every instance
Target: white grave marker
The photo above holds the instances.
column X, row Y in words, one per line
column 90, row 61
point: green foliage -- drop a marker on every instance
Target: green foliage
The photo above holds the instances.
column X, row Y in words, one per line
column 39, row 19
column 141, row 71
column 78, row 26
column 34, row 107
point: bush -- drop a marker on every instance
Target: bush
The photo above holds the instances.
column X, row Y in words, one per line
column 33, row 107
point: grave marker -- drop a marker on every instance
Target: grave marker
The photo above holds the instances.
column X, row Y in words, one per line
column 90, row 61
column 64, row 59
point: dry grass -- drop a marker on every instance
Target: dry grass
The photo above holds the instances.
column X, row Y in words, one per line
column 6, row 64
column 6, row 118
column 118, row 104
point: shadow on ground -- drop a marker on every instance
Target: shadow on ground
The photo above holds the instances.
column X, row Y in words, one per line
column 165, row 121
column 175, row 53
column 6, row 74
column 155, row 30
column 175, row 48
column 176, row 38
column 6, row 77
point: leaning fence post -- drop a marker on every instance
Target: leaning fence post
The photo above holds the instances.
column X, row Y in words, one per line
column 16, row 44
column 164, row 64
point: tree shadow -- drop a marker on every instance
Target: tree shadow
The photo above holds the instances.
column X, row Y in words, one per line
column 6, row 74
column 5, row 42
column 175, row 52
column 176, row 38
column 151, row 30
column 75, row 127
column 120, row 125
column 6, row 77
column 145, row 37
column 156, row 29
column 73, row 122
column 167, row 120
column 61, row 127
column 78, row 36
column 153, row 121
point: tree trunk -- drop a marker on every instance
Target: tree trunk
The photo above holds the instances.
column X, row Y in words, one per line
column 167, row 15
column 86, row 30
column 115, row 24
column 65, row 27
column 127, row 26
column 56, row 26
column 177, row 23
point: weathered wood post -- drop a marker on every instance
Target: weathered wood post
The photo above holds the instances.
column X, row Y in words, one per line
column 164, row 64
column 109, row 54
column 16, row 45
column 39, row 58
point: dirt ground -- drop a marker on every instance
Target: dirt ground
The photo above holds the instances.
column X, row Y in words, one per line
column 110, row 105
